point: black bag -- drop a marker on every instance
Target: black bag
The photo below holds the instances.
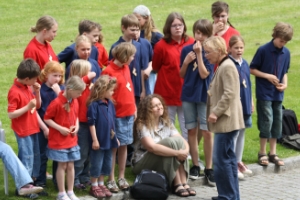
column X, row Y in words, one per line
column 289, row 124
column 149, row 185
column 292, row 141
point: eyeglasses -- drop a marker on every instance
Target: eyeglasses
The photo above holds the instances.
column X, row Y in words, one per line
column 176, row 25
column 220, row 16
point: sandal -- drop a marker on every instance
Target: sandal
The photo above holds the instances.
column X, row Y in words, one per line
column 263, row 159
column 275, row 159
column 180, row 192
column 191, row 191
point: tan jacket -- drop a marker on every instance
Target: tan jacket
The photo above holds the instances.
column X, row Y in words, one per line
column 224, row 99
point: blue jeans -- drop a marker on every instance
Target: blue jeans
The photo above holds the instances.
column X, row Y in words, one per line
column 225, row 166
column 82, row 166
column 14, row 166
column 101, row 162
column 29, row 153
column 152, row 81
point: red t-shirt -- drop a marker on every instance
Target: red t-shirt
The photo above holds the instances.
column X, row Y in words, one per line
column 41, row 53
column 124, row 93
column 19, row 96
column 103, row 55
column 59, row 115
column 166, row 61
column 82, row 116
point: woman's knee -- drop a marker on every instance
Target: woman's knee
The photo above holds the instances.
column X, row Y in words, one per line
column 173, row 142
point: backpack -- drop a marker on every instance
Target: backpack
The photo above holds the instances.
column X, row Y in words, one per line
column 149, row 185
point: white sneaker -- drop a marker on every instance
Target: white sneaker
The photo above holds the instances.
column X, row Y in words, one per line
column 244, row 169
column 240, row 175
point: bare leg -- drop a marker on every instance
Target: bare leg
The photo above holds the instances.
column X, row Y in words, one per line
column 208, row 148
column 122, row 154
column 70, row 175
column 60, row 176
column 193, row 143
column 263, row 145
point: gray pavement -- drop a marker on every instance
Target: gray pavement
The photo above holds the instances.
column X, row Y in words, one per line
column 266, row 183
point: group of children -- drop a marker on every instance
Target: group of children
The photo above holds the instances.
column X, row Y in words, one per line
column 85, row 124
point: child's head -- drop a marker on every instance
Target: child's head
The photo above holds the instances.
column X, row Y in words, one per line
column 47, row 26
column 74, row 88
column 220, row 12
column 236, row 46
column 28, row 71
column 129, row 25
column 80, row 68
column 174, row 27
column 103, row 88
column 90, row 29
column 282, row 33
column 52, row 73
column 83, row 47
column 202, row 29
column 124, row 52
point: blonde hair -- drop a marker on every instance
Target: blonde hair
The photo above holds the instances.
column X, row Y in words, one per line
column 52, row 67
column 216, row 43
column 123, row 51
column 283, row 31
column 80, row 67
column 73, row 83
column 82, row 38
column 102, row 84
column 45, row 22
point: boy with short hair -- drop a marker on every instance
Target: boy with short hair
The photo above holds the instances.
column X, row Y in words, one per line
column 22, row 105
column 270, row 65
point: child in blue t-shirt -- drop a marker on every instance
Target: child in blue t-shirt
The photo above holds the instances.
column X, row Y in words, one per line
column 236, row 50
column 270, row 65
column 197, row 73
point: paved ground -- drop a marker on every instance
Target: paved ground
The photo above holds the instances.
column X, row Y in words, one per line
column 267, row 183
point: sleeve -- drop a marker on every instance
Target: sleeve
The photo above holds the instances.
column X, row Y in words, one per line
column 182, row 56
column 51, row 111
column 13, row 99
column 103, row 57
column 144, row 132
column 150, row 52
column 257, row 60
column 30, row 53
column 157, row 57
column 91, row 114
column 65, row 55
column 173, row 130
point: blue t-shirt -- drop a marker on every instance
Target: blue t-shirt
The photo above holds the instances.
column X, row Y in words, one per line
column 194, row 88
column 69, row 54
column 138, row 64
column 271, row 60
column 245, row 85
column 102, row 115
column 155, row 37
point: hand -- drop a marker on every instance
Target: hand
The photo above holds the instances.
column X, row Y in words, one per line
column 281, row 87
column 147, row 73
column 212, row 118
column 91, row 75
column 190, row 57
column 64, row 131
column 182, row 155
column 46, row 132
column 31, row 104
column 135, row 115
column 197, row 48
column 142, row 95
column 273, row 79
column 95, row 145
column 217, row 27
column 74, row 130
column 55, row 87
column 36, row 87
column 118, row 142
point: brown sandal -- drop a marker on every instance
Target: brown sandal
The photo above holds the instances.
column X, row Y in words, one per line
column 191, row 191
column 180, row 192
column 275, row 159
column 263, row 159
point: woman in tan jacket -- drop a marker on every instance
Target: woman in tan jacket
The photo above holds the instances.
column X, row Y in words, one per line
column 224, row 117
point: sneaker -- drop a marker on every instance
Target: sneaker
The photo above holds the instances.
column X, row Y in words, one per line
column 195, row 172
column 79, row 186
column 62, row 197
column 29, row 189
column 28, row 196
column 73, row 196
column 49, row 176
column 123, row 184
column 112, row 186
column 243, row 168
column 105, row 190
column 209, row 175
column 43, row 193
column 240, row 175
column 97, row 192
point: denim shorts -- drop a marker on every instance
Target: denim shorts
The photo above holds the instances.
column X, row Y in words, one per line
column 269, row 118
column 64, row 155
column 124, row 129
column 101, row 162
column 194, row 112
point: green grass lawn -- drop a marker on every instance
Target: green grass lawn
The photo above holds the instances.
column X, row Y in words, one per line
column 253, row 19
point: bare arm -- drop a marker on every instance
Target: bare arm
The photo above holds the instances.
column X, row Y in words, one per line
column 63, row 130
column 270, row 77
column 21, row 111
column 203, row 72
column 95, row 144
column 43, row 126
column 188, row 59
column 282, row 86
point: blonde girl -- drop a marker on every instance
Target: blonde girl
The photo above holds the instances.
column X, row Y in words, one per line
column 101, row 120
column 62, row 118
column 82, row 68
column 52, row 79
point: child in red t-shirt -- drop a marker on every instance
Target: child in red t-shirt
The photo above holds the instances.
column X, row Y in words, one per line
column 123, row 54
column 22, row 105
column 103, row 55
column 62, row 118
column 82, row 68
